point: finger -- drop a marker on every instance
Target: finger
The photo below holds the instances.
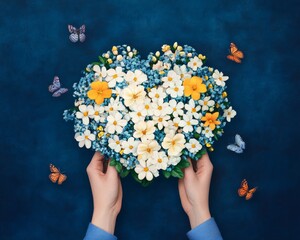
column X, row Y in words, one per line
column 203, row 161
column 189, row 171
column 111, row 171
column 97, row 161
column 182, row 192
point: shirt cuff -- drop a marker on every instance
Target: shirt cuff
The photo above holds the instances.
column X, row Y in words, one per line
column 206, row 231
column 95, row 233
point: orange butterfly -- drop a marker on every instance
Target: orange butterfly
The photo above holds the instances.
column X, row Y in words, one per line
column 244, row 190
column 235, row 54
column 56, row 175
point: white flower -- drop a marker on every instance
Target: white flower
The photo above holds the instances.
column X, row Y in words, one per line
column 146, row 170
column 136, row 77
column 78, row 102
column 114, row 106
column 145, row 108
column 133, row 95
column 175, row 91
column 146, row 149
column 115, row 123
column 176, row 108
column 115, row 143
column 192, row 109
column 130, row 146
column 174, row 143
column 85, row 139
column 157, row 93
column 187, row 123
column 144, row 130
column 100, row 73
column 172, row 125
column 99, row 113
column 174, row 160
column 171, row 79
column 114, row 76
column 161, row 108
column 206, row 103
column 160, row 160
column 199, row 129
column 161, row 121
column 182, row 71
column 85, row 113
column 229, row 113
column 193, row 146
column 219, row 78
column 159, row 66
column 136, row 116
column 195, row 63
column 207, row 132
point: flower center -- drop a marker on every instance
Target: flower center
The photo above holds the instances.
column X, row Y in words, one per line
column 159, row 160
column 188, row 123
column 149, row 150
column 135, row 79
column 85, row 114
column 86, row 137
column 176, row 89
column 193, row 145
column 220, row 78
column 115, row 76
column 194, row 87
column 139, row 114
column 144, row 132
column 174, row 109
column 130, row 147
column 176, row 124
column 157, row 95
column 134, row 96
column 193, row 109
column 159, row 107
column 160, row 119
column 100, row 92
column 205, row 103
column 115, row 123
column 170, row 79
column 111, row 109
column 195, row 64
column 118, row 142
column 147, row 106
column 146, row 169
column 96, row 113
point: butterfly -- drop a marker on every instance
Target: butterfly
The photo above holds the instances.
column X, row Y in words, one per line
column 56, row 89
column 239, row 145
column 56, row 176
column 235, row 54
column 244, row 191
column 76, row 34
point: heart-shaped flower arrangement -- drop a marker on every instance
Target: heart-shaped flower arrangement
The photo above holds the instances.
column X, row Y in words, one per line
column 149, row 116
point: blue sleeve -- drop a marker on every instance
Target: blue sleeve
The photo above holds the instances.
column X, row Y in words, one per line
column 96, row 233
column 205, row 231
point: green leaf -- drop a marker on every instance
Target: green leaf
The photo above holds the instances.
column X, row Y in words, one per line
column 113, row 162
column 124, row 172
column 145, row 183
column 102, row 60
column 118, row 167
column 183, row 164
column 135, row 176
column 177, row 172
column 200, row 153
column 166, row 174
column 196, row 135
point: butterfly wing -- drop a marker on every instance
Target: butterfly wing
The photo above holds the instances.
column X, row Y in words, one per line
column 238, row 54
column 82, row 29
column 239, row 141
column 71, row 29
column 81, row 37
column 61, row 178
column 53, row 169
column 234, row 58
column 54, row 177
column 59, row 92
column 249, row 194
column 74, row 37
column 243, row 190
column 55, row 85
column 235, row 148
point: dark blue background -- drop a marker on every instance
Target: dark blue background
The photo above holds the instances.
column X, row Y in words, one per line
column 264, row 90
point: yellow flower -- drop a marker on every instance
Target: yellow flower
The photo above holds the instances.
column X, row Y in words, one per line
column 99, row 91
column 194, row 86
column 210, row 120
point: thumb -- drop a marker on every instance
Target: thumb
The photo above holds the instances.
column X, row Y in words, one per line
column 189, row 171
column 111, row 171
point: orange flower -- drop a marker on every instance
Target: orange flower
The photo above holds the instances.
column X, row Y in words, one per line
column 99, row 91
column 194, row 86
column 211, row 120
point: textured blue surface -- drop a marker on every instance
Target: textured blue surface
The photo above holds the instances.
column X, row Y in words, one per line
column 264, row 90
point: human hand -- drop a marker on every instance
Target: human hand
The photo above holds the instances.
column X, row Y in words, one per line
column 194, row 190
column 107, row 193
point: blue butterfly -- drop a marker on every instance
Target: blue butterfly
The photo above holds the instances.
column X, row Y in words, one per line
column 239, row 145
column 56, row 89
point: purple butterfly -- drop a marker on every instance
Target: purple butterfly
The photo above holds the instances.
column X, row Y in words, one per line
column 77, row 34
column 55, row 88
